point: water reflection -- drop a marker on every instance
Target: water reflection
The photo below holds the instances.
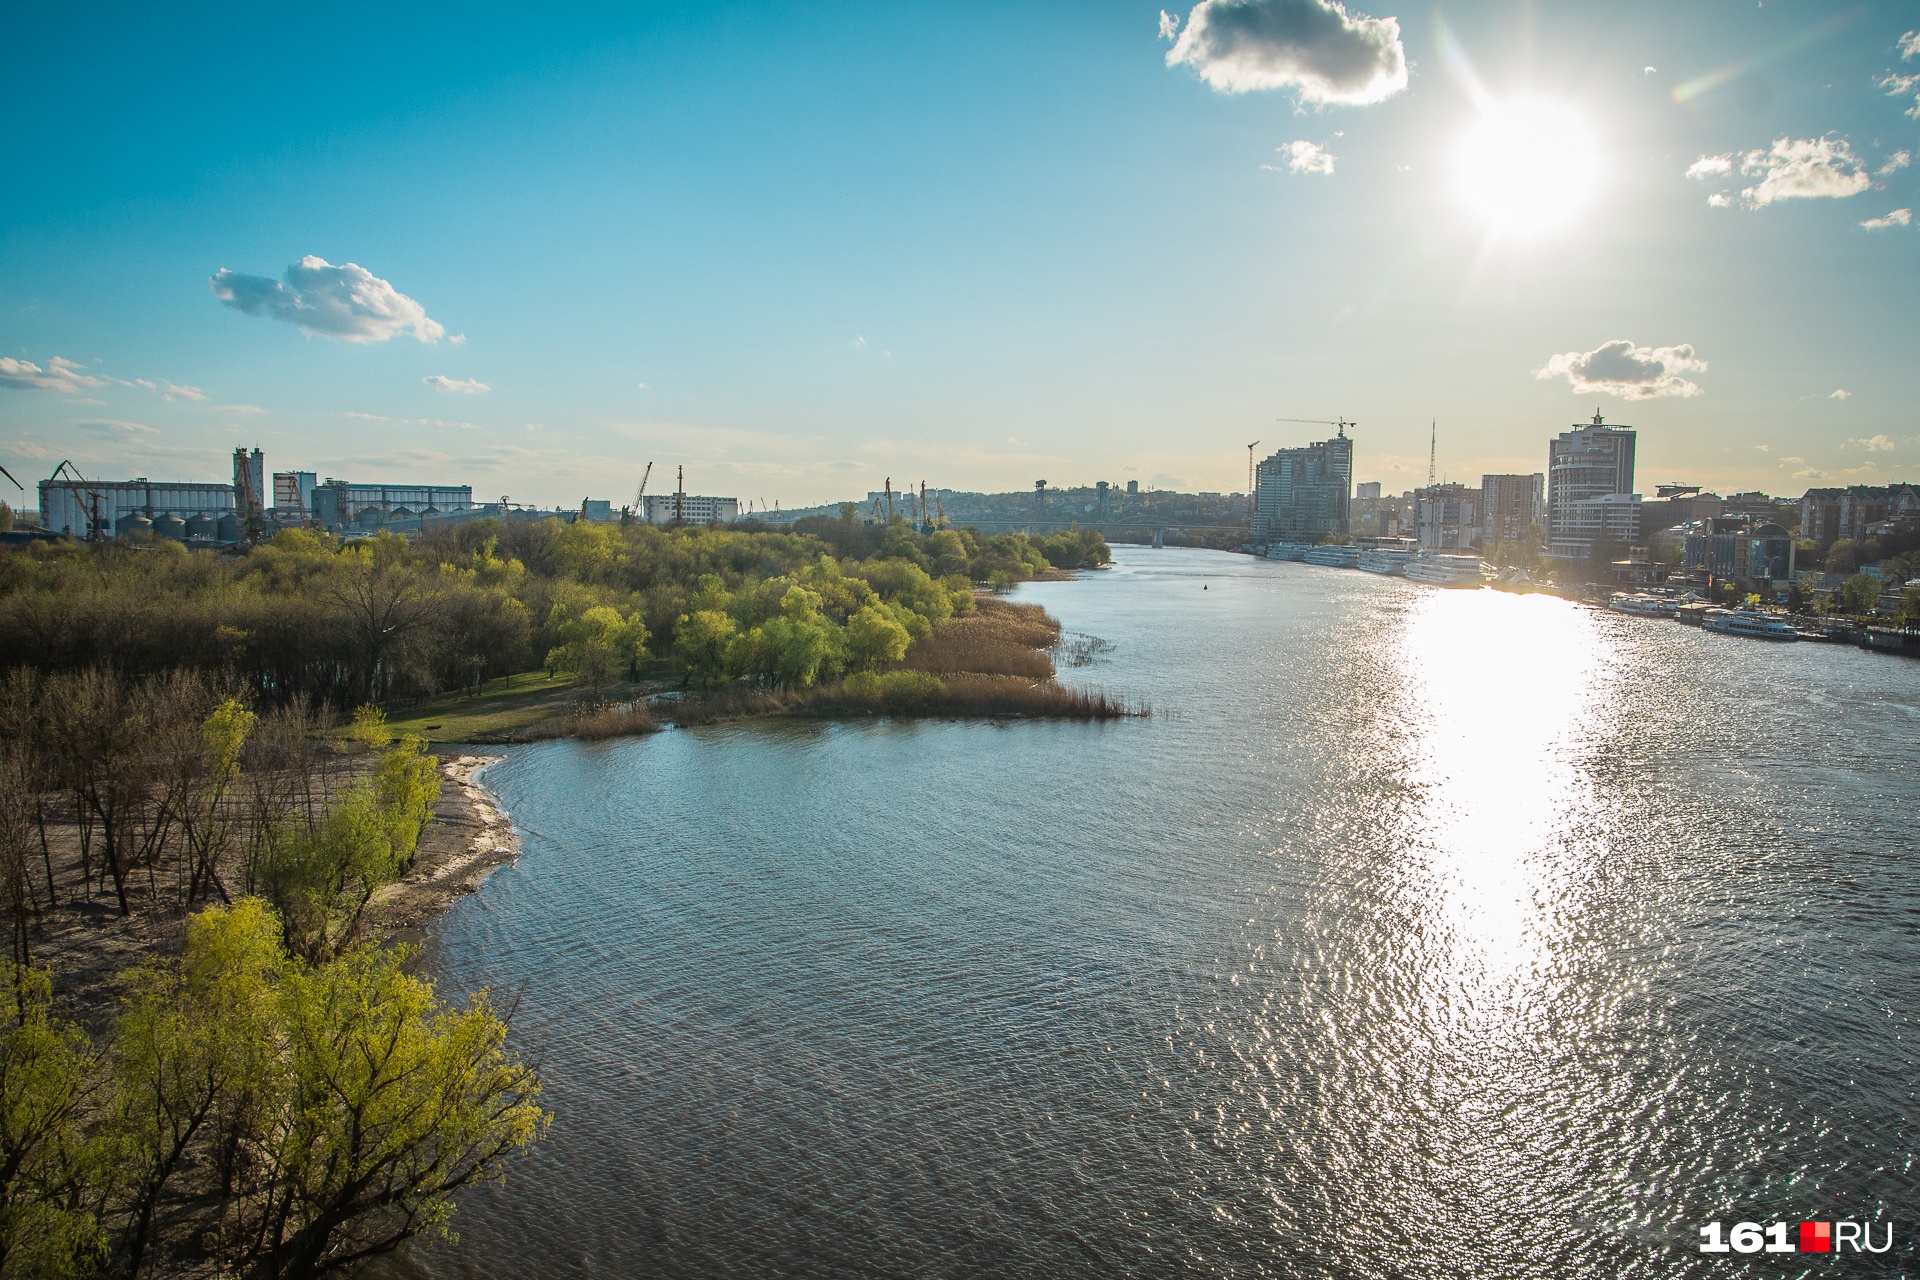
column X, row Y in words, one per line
column 1426, row 937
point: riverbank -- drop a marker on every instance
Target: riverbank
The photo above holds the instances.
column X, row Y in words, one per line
column 87, row 944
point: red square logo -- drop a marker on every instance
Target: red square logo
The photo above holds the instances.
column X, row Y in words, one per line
column 1816, row 1237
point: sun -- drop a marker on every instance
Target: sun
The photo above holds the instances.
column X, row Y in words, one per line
column 1527, row 166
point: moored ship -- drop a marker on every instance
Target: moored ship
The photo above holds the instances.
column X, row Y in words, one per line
column 1437, row 569
column 1333, row 555
column 1385, row 560
column 1745, row 622
column 1641, row 605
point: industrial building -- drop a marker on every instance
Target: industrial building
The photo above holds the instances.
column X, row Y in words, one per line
column 108, row 508
column 1305, row 494
column 665, row 508
column 342, row 504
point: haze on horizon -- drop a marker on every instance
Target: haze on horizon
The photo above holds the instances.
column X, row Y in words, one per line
column 804, row 248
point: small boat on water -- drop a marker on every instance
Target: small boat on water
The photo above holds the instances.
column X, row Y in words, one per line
column 1641, row 605
column 1333, row 555
column 1438, row 569
column 1746, row 622
column 1385, row 560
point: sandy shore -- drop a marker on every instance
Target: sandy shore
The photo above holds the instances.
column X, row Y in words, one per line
column 469, row 837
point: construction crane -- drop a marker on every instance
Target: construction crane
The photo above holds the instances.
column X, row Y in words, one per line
column 82, row 490
column 889, row 487
column 9, row 475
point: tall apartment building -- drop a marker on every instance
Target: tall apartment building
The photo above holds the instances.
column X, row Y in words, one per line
column 1445, row 517
column 1590, row 489
column 1305, row 493
column 1509, row 506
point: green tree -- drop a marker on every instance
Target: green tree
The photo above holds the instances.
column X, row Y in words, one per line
column 47, row 1229
column 700, row 643
column 1860, row 593
column 391, row 1101
column 1909, row 613
column 874, row 638
column 600, row 646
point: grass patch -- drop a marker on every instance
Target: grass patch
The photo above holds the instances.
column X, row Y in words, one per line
column 499, row 708
column 999, row 638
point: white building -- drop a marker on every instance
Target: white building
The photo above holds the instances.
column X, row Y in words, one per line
column 1446, row 518
column 1590, row 489
column 665, row 508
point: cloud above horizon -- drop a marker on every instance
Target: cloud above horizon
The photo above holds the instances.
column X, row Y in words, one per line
column 1791, row 169
column 457, row 386
column 1314, row 47
column 1619, row 368
column 1897, row 218
column 346, row 302
column 59, row 375
column 1305, row 157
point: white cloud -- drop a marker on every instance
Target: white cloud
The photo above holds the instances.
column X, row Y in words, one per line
column 346, row 302
column 1900, row 87
column 1312, row 46
column 457, row 386
column 1169, row 25
column 1803, row 169
column 177, row 392
column 237, row 408
column 1842, row 394
column 1619, row 368
column 1793, row 169
column 1897, row 218
column 1909, row 46
column 1874, row 444
column 1306, row 157
column 1895, row 162
column 59, row 375
column 642, row 386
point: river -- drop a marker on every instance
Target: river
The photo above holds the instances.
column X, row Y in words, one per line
column 1417, row 933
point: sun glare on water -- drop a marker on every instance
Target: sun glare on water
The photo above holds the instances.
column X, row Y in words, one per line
column 1527, row 166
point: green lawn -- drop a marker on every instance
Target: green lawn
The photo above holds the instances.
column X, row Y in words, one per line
column 512, row 702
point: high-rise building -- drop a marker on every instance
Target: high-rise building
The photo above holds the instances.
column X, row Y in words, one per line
column 1590, row 494
column 293, row 491
column 1509, row 506
column 1305, row 493
column 1444, row 517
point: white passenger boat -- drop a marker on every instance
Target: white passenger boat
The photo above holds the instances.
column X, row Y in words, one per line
column 1385, row 560
column 1745, row 622
column 1641, row 605
column 1440, row 570
column 1333, row 555
column 1286, row 550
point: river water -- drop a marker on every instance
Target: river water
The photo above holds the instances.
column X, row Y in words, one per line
column 1418, row 933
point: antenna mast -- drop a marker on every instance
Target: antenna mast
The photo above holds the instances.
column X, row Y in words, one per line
column 1250, row 504
column 1433, row 448
column 680, row 495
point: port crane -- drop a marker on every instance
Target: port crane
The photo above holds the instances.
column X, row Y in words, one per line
column 68, row 477
column 639, row 507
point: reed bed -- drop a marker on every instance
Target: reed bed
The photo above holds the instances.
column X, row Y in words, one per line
column 999, row 639
column 606, row 722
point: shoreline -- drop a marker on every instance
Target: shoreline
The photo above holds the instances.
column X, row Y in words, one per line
column 470, row 838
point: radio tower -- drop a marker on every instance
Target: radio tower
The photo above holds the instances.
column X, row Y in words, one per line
column 1433, row 449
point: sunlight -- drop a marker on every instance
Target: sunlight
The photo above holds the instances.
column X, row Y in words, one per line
column 1527, row 166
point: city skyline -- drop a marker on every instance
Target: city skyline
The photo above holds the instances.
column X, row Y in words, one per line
column 802, row 251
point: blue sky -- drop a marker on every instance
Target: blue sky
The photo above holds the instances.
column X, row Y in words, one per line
column 803, row 248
